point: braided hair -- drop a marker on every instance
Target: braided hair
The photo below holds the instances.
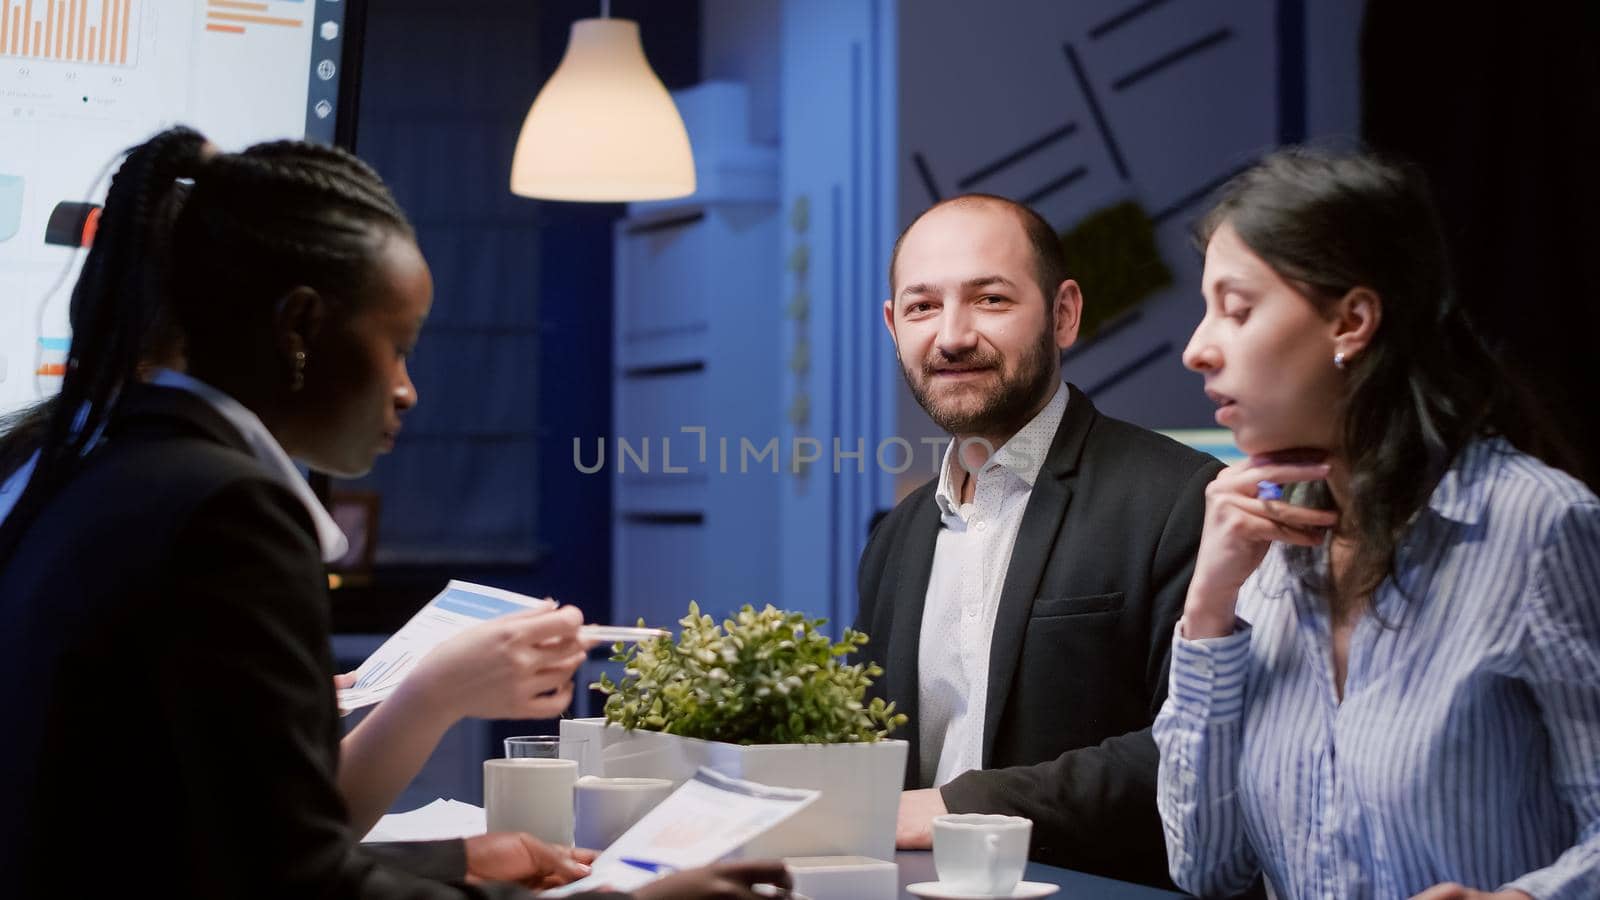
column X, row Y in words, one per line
column 203, row 243
column 260, row 223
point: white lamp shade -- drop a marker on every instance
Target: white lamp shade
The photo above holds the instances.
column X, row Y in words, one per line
column 603, row 128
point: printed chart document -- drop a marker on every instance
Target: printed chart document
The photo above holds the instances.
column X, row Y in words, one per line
column 707, row 818
column 458, row 607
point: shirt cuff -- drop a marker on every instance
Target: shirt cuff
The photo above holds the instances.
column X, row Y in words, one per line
column 1208, row 674
column 1556, row 882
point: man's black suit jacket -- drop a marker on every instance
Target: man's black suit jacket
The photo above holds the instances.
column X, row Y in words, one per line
column 1078, row 661
column 168, row 698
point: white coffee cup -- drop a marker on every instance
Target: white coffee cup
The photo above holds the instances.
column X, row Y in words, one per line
column 605, row 808
column 983, row 854
column 530, row 795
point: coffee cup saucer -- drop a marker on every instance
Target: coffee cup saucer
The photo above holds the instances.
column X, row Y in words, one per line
column 938, row 890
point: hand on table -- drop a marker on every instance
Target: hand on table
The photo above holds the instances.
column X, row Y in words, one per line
column 725, row 881
column 513, row 856
column 914, row 830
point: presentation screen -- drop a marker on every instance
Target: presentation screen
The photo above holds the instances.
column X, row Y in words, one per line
column 83, row 80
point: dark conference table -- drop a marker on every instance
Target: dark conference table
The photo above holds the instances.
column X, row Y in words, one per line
column 917, row 866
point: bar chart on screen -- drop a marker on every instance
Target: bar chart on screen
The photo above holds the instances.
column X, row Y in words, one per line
column 92, row 32
column 243, row 16
column 83, row 80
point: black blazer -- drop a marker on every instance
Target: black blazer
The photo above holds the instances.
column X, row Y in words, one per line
column 169, row 711
column 1078, row 662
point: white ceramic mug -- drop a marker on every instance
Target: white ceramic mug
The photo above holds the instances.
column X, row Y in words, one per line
column 530, row 795
column 983, row 854
column 605, row 808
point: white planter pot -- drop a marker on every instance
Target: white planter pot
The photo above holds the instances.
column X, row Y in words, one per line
column 860, row 783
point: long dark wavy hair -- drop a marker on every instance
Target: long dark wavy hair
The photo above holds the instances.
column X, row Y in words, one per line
column 1423, row 387
column 211, row 240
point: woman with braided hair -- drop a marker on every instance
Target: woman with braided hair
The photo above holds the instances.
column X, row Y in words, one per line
column 484, row 672
column 161, row 581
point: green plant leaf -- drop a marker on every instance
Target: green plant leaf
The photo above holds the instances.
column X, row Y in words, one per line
column 757, row 677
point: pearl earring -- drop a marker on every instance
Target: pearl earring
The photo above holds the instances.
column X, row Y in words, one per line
column 1338, row 360
column 298, row 379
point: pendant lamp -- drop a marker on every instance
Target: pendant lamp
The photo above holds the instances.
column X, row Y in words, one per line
column 604, row 128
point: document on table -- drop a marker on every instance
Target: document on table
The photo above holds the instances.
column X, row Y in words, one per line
column 440, row 820
column 459, row 606
column 707, row 818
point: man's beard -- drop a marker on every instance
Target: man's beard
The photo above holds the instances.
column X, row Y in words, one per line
column 1003, row 408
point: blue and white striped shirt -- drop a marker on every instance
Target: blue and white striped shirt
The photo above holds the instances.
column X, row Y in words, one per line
column 1467, row 747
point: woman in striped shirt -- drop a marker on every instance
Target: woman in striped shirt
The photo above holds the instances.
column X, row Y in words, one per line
column 1387, row 682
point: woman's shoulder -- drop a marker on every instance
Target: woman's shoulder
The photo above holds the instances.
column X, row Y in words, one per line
column 1510, row 487
column 167, row 478
column 177, row 437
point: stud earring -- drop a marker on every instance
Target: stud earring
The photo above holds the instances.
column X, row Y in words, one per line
column 298, row 379
column 1338, row 360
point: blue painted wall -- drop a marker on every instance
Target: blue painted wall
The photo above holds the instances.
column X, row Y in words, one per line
column 516, row 357
column 839, row 126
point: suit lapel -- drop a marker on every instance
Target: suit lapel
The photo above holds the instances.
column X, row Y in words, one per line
column 1041, row 525
column 915, row 568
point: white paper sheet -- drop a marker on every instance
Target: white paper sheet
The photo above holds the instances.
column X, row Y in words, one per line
column 440, row 820
column 707, row 818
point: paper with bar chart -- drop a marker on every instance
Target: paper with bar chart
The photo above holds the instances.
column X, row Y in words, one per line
column 458, row 607
column 83, row 80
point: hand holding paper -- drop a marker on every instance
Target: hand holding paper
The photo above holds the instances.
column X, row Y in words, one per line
column 485, row 652
column 459, row 607
column 519, row 666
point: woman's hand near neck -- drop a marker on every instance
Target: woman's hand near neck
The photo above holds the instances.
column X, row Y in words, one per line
column 1338, row 482
column 1342, row 547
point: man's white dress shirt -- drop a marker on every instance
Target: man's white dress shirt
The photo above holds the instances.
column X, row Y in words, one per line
column 970, row 560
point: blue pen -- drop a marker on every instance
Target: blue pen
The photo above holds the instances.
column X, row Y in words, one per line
column 652, row 867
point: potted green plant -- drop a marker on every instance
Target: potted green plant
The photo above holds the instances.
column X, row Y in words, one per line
column 764, row 696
